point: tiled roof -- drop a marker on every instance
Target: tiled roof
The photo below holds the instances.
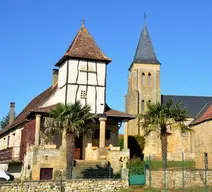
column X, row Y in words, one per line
column 84, row 47
column 204, row 115
column 193, row 104
column 33, row 105
column 115, row 113
column 108, row 112
column 45, row 109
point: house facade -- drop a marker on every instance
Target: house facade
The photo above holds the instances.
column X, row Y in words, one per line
column 201, row 139
column 80, row 75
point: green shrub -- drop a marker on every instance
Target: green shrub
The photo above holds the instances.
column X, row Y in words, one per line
column 135, row 144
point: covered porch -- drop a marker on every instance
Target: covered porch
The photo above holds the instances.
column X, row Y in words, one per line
column 101, row 146
column 103, row 140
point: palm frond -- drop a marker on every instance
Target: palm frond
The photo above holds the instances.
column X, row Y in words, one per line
column 73, row 118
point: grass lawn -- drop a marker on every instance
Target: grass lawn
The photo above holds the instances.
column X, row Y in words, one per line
column 172, row 164
column 158, row 164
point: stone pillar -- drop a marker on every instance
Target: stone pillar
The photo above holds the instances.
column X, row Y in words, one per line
column 102, row 132
column 125, row 134
column 37, row 129
column 64, row 139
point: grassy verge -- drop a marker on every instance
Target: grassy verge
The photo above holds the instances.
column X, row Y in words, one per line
column 158, row 164
column 172, row 164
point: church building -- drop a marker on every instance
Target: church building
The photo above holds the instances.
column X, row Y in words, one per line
column 143, row 87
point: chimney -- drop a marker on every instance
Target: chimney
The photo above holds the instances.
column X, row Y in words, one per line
column 12, row 112
column 55, row 76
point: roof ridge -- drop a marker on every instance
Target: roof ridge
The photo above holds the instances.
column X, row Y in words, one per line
column 33, row 104
column 187, row 96
column 201, row 113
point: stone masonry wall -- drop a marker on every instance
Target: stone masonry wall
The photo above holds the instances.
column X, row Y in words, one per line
column 68, row 186
column 192, row 178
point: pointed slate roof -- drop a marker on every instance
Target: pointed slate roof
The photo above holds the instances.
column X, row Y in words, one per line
column 145, row 52
column 84, row 47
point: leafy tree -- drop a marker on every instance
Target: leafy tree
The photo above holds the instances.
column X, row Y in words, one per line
column 73, row 120
column 5, row 121
column 164, row 119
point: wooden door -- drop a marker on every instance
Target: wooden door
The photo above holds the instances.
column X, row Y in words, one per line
column 78, row 147
column 46, row 173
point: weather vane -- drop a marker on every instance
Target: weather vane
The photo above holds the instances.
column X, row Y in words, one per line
column 145, row 16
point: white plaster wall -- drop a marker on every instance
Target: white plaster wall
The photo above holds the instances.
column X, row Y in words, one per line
column 57, row 97
column 101, row 73
column 91, row 98
column 82, row 78
column 4, row 142
column 100, row 99
column 71, row 95
column 93, row 74
column 92, row 66
column 1, row 143
column 92, row 78
column 62, row 75
column 73, row 69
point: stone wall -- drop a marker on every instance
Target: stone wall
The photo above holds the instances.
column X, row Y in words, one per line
column 68, row 186
column 201, row 142
column 192, row 178
column 47, row 156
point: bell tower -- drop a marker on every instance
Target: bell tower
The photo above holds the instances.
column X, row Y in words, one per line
column 143, row 80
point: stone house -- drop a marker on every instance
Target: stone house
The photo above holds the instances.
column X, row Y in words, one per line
column 143, row 87
column 80, row 75
column 201, row 138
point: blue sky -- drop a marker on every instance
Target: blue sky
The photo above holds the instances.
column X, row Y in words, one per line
column 35, row 34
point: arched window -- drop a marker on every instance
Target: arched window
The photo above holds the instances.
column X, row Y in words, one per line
column 149, row 79
column 143, row 78
column 142, row 106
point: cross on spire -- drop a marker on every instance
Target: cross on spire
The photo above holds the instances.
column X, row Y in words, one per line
column 145, row 16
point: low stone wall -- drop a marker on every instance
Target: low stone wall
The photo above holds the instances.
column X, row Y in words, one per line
column 192, row 178
column 67, row 186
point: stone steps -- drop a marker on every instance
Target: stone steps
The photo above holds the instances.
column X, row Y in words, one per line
column 91, row 169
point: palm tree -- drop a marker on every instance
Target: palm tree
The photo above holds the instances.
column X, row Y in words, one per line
column 73, row 120
column 163, row 119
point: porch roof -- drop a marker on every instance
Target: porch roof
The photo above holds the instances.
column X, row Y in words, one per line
column 109, row 112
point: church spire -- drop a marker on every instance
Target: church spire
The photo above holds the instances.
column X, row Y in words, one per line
column 145, row 52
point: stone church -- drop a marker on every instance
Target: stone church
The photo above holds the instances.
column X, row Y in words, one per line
column 143, row 87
